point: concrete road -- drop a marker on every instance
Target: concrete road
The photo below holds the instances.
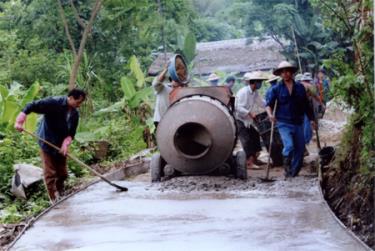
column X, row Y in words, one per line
column 285, row 215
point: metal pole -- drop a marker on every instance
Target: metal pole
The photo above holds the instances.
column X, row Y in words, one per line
column 298, row 58
column 160, row 9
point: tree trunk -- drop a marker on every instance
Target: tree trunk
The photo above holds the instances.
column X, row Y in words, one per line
column 86, row 32
column 66, row 27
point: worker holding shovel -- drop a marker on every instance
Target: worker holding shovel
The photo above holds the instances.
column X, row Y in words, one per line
column 292, row 105
column 58, row 126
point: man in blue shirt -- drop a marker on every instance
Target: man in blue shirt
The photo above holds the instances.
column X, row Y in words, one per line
column 291, row 104
column 58, row 126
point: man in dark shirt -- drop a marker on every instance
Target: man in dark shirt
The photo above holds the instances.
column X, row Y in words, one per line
column 58, row 126
column 292, row 105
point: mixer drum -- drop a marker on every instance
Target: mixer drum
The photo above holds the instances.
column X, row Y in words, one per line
column 196, row 135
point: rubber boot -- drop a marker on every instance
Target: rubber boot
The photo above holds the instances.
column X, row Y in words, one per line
column 286, row 164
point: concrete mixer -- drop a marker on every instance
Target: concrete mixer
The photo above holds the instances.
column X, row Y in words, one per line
column 197, row 136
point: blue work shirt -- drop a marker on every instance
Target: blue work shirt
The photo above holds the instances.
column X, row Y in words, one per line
column 290, row 108
column 57, row 122
column 268, row 92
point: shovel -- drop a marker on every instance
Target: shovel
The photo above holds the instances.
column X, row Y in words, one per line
column 267, row 179
column 75, row 159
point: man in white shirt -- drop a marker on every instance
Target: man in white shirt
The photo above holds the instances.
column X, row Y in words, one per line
column 246, row 100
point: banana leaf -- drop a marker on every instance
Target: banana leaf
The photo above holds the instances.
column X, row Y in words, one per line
column 3, row 92
column 189, row 47
column 140, row 96
column 10, row 109
column 136, row 70
column 116, row 107
column 128, row 88
column 31, row 122
column 30, row 94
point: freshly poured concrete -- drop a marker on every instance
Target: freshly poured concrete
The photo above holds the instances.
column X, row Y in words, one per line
column 285, row 215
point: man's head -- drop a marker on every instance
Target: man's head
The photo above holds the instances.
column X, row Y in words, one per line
column 285, row 70
column 254, row 79
column 230, row 81
column 321, row 73
column 255, row 84
column 286, row 74
column 213, row 79
column 273, row 80
column 76, row 98
column 306, row 78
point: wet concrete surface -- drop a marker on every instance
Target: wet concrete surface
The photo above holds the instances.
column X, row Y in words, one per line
column 247, row 215
column 200, row 213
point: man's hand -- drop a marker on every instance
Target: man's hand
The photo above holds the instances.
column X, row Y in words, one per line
column 272, row 118
column 314, row 125
column 20, row 120
column 161, row 76
column 252, row 115
column 64, row 147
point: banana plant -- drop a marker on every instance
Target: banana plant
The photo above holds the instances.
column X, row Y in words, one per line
column 134, row 88
column 12, row 102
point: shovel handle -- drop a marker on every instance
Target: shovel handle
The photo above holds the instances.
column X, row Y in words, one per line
column 79, row 162
column 271, row 142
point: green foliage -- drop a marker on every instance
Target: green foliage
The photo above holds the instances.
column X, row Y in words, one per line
column 353, row 73
column 220, row 19
column 15, row 148
column 13, row 100
column 189, row 47
column 17, row 209
column 280, row 19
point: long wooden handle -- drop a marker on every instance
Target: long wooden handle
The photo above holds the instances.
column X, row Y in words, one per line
column 317, row 137
column 79, row 162
column 271, row 142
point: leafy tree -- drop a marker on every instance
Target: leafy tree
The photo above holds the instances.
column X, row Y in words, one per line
column 353, row 68
column 295, row 25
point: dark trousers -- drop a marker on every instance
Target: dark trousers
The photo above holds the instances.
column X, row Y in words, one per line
column 249, row 138
column 55, row 173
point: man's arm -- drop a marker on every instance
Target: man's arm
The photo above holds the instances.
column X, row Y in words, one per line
column 240, row 103
column 270, row 103
column 260, row 101
column 40, row 106
column 73, row 123
column 157, row 83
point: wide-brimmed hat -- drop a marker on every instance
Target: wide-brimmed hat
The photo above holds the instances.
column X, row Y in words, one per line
column 272, row 78
column 284, row 65
column 307, row 77
column 255, row 75
column 213, row 77
column 298, row 77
